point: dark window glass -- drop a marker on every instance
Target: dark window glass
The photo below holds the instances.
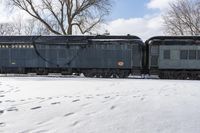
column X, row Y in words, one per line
column 184, row 54
column 154, row 50
column 198, row 54
column 192, row 54
column 166, row 54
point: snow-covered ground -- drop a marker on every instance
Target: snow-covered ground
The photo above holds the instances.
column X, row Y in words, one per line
column 81, row 105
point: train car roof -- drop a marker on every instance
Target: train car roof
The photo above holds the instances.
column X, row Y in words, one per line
column 63, row 39
column 173, row 38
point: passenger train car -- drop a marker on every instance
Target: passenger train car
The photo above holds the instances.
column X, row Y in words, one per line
column 94, row 56
column 174, row 57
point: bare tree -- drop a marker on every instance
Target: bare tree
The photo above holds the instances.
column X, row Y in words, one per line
column 34, row 27
column 23, row 27
column 6, row 29
column 183, row 18
column 30, row 26
column 18, row 24
column 61, row 16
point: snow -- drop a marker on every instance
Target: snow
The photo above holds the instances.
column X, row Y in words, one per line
column 84, row 105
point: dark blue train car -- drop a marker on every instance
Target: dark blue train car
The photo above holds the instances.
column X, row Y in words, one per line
column 94, row 56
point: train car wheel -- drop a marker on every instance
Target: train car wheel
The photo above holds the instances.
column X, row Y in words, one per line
column 98, row 75
column 42, row 72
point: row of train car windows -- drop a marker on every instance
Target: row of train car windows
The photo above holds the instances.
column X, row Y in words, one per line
column 190, row 54
column 184, row 54
column 16, row 46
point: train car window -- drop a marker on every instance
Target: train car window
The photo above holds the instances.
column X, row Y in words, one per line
column 78, row 47
column 184, row 54
column 192, row 54
column 124, row 47
column 121, row 47
column 109, row 46
column 154, row 50
column 74, row 47
column 166, row 54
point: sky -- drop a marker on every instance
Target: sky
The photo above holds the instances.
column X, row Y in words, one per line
column 129, row 8
column 136, row 17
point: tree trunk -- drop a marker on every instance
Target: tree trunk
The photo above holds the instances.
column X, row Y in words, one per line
column 69, row 29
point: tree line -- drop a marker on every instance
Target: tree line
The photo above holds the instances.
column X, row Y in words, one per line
column 183, row 18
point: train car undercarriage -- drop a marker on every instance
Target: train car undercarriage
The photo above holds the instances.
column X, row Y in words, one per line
column 92, row 73
column 179, row 74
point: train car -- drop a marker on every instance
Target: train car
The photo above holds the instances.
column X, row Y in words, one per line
column 94, row 56
column 174, row 57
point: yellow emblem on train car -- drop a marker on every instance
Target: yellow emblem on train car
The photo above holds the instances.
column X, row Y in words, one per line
column 120, row 63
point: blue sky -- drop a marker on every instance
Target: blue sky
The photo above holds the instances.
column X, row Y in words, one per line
column 138, row 17
column 130, row 9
